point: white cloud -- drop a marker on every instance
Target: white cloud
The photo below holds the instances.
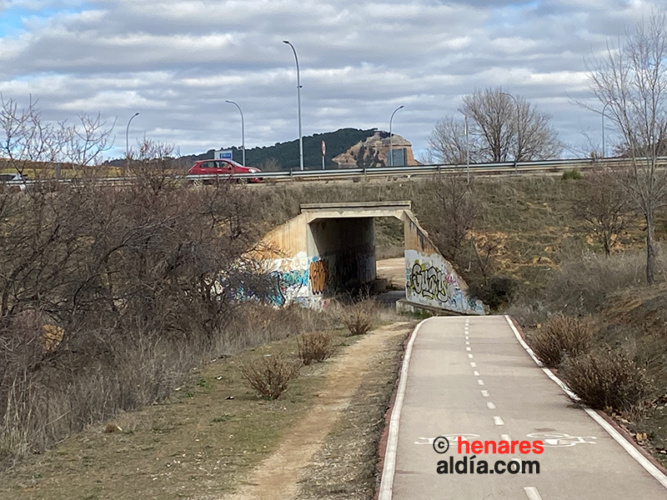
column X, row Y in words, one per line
column 177, row 62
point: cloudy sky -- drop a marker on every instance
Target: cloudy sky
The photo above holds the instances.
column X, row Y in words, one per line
column 177, row 62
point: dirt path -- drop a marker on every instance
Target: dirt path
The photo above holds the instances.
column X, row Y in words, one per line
column 393, row 270
column 277, row 476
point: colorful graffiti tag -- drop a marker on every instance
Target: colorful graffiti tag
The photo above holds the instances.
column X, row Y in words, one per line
column 428, row 282
column 431, row 282
column 290, row 278
column 319, row 274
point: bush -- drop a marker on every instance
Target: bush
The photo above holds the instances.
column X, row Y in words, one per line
column 314, row 347
column 561, row 336
column 573, row 174
column 607, row 379
column 359, row 317
column 271, row 374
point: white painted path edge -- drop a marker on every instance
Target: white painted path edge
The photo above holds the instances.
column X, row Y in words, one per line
column 389, row 468
column 616, row 436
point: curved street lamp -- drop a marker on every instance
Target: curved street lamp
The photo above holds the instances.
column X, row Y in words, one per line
column 518, row 126
column 391, row 143
column 298, row 98
column 242, row 129
column 127, row 135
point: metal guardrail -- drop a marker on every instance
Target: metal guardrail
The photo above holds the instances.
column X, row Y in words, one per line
column 352, row 173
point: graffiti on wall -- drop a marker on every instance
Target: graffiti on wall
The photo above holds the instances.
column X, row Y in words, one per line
column 319, row 274
column 290, row 278
column 432, row 282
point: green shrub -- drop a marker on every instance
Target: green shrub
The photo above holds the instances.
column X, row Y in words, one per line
column 573, row 174
column 607, row 379
column 559, row 337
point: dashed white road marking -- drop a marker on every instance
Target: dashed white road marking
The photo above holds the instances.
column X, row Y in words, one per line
column 468, row 349
column 532, row 493
column 485, row 393
column 480, row 381
column 473, row 364
column 475, row 373
column 498, row 421
column 505, row 437
column 467, row 342
column 490, row 405
column 470, row 356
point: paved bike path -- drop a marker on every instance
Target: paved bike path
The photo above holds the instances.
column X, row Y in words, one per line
column 470, row 376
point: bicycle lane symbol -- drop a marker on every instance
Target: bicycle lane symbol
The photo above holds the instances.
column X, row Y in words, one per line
column 452, row 438
column 560, row 440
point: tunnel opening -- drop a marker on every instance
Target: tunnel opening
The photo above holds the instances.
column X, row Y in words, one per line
column 345, row 254
column 331, row 250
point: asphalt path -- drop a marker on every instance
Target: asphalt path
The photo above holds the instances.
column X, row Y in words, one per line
column 471, row 377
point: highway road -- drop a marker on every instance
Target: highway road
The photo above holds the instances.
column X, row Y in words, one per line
column 471, row 377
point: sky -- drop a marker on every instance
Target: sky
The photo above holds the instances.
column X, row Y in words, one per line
column 177, row 62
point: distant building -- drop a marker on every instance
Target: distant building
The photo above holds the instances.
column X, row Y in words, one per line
column 374, row 152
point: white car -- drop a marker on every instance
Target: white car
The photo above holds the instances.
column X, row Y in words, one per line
column 14, row 180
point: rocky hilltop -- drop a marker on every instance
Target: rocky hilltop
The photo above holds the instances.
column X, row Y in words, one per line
column 373, row 152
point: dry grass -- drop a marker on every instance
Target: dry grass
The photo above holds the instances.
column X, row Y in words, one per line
column 198, row 443
column 560, row 337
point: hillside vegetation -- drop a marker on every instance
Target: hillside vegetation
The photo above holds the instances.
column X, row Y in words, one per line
column 527, row 250
column 285, row 155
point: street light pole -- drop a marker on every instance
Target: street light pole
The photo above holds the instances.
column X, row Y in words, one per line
column 518, row 127
column 298, row 98
column 242, row 130
column 465, row 123
column 391, row 143
column 127, row 135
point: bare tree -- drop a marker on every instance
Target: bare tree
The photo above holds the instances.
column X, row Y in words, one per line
column 448, row 144
column 630, row 80
column 26, row 139
column 451, row 216
column 501, row 127
column 605, row 206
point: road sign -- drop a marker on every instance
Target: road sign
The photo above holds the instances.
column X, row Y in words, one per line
column 222, row 155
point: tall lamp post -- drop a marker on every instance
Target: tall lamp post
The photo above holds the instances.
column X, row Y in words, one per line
column 465, row 125
column 127, row 135
column 298, row 98
column 518, row 126
column 242, row 130
column 391, row 143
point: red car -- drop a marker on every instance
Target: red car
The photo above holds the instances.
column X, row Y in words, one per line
column 224, row 167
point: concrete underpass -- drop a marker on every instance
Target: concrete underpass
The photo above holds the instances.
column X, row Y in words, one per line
column 329, row 249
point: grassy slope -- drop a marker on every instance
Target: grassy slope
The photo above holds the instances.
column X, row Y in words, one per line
column 205, row 439
column 532, row 220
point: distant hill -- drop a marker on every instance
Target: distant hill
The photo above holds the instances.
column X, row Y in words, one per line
column 285, row 155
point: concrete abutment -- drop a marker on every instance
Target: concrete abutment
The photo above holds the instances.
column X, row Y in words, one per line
column 329, row 248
